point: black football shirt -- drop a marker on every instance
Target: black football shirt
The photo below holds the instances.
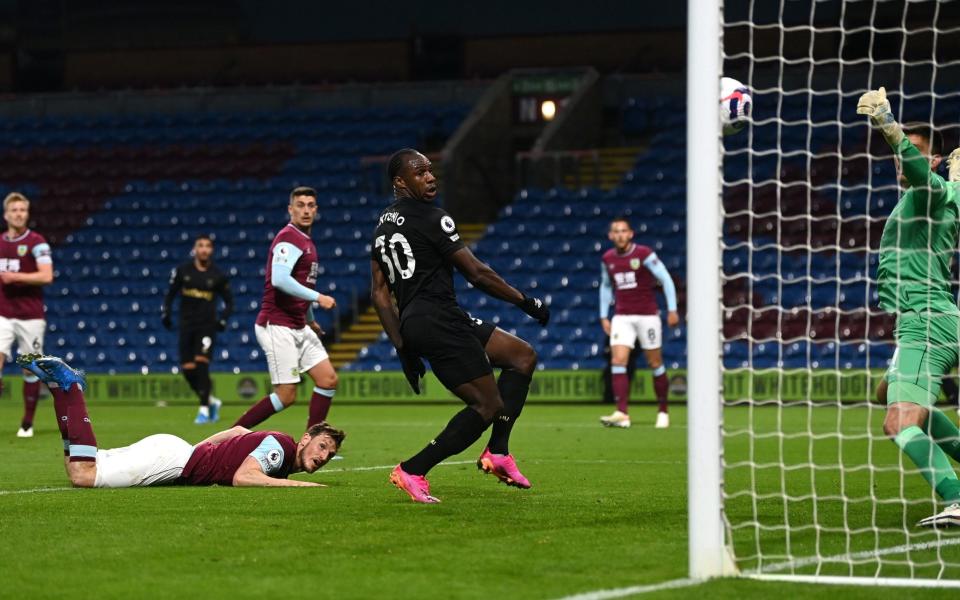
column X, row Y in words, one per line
column 198, row 291
column 412, row 242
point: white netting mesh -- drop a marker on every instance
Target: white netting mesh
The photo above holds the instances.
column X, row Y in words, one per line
column 812, row 484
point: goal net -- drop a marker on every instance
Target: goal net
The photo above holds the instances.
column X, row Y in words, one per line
column 811, row 485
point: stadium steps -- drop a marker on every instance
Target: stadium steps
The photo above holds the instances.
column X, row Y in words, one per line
column 612, row 165
column 367, row 328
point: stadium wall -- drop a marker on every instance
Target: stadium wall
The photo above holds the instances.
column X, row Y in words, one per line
column 586, row 386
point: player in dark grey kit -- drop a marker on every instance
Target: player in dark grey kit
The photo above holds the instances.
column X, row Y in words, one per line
column 415, row 249
column 198, row 283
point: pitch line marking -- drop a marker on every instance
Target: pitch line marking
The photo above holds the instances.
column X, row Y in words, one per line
column 633, row 590
column 802, row 562
column 35, row 490
column 531, row 461
column 865, row 554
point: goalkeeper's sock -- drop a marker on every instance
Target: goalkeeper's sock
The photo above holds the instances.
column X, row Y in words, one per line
column 202, row 380
column 944, row 433
column 661, row 387
column 464, row 428
column 260, row 412
column 621, row 387
column 513, row 387
column 933, row 463
column 31, row 394
column 320, row 403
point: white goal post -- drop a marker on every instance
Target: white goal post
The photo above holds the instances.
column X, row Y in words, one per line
column 790, row 475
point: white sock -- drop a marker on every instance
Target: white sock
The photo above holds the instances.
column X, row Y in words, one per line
column 205, row 411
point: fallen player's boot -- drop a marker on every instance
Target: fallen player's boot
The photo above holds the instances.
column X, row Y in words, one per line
column 503, row 467
column 416, row 486
column 52, row 370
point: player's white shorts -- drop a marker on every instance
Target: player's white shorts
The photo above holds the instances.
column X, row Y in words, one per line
column 625, row 330
column 289, row 352
column 154, row 460
column 27, row 332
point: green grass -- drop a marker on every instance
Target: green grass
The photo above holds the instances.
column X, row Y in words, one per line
column 607, row 510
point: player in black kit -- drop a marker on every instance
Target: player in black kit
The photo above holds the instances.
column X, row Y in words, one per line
column 415, row 249
column 198, row 283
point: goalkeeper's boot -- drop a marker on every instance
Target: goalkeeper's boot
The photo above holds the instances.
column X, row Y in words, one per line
column 503, row 467
column 416, row 486
column 202, row 419
column 52, row 371
column 617, row 419
column 663, row 420
column 948, row 517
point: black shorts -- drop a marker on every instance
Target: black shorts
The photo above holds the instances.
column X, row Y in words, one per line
column 452, row 342
column 197, row 341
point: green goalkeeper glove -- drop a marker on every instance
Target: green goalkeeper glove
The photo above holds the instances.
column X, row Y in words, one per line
column 875, row 105
column 953, row 165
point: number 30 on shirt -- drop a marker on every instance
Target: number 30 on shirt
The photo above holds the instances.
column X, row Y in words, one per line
column 393, row 260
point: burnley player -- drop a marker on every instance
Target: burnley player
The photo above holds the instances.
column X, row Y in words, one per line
column 237, row 456
column 285, row 328
column 25, row 267
column 634, row 271
column 198, row 283
column 415, row 249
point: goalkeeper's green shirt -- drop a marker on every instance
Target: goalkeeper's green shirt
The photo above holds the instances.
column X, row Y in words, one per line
column 919, row 240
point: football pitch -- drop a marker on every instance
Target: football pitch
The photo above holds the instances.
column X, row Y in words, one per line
column 607, row 511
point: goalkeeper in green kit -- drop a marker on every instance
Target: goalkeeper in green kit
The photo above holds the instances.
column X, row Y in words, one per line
column 913, row 280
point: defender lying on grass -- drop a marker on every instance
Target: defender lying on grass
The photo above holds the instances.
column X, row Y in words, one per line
column 236, row 456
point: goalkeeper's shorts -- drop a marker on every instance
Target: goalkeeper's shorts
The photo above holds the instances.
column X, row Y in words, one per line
column 927, row 349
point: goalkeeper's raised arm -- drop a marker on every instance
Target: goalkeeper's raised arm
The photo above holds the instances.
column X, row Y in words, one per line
column 915, row 168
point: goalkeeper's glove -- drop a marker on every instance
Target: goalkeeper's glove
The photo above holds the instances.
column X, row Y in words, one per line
column 413, row 368
column 953, row 165
column 166, row 320
column 875, row 105
column 536, row 309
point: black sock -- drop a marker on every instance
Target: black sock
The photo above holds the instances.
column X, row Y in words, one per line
column 191, row 376
column 202, row 378
column 464, row 428
column 513, row 389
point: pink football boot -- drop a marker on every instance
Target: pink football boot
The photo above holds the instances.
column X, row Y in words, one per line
column 503, row 467
column 416, row 486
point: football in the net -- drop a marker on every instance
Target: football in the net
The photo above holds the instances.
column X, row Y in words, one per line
column 735, row 106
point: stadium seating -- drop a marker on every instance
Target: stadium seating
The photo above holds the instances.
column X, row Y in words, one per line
column 130, row 193
column 122, row 199
column 811, row 249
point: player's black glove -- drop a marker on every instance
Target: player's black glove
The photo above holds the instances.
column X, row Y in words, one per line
column 222, row 325
column 413, row 369
column 536, row 309
column 166, row 320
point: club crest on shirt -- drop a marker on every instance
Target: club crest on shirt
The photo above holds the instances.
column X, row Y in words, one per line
column 634, row 263
column 22, row 250
column 447, row 224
